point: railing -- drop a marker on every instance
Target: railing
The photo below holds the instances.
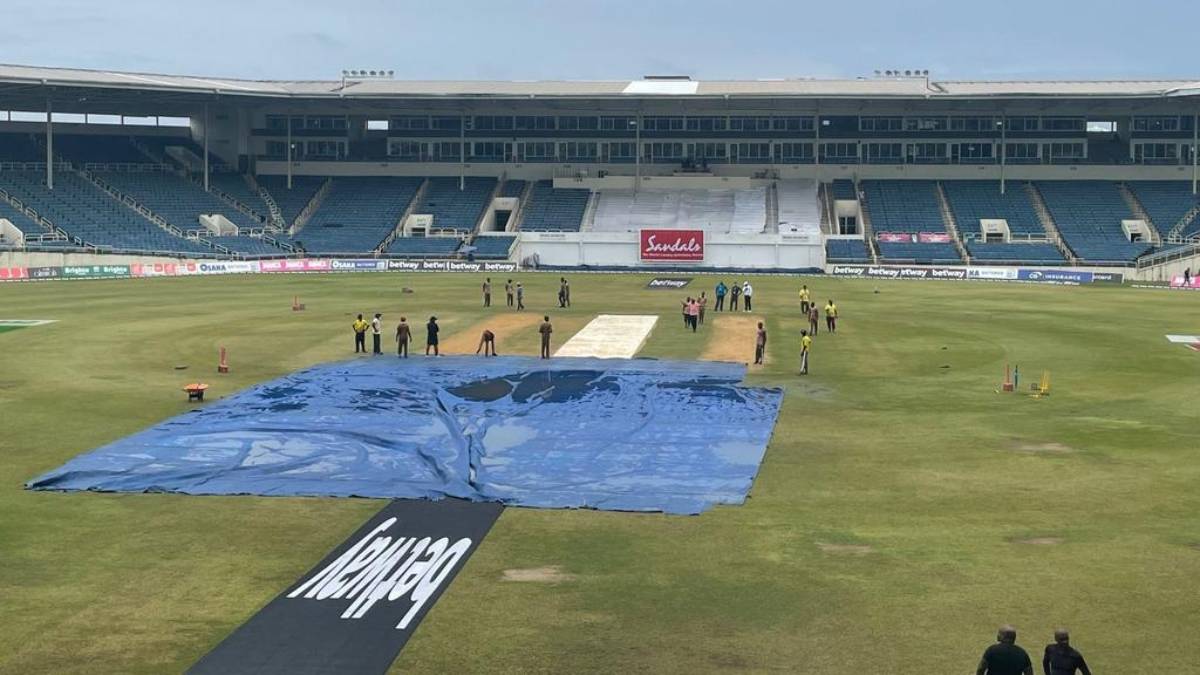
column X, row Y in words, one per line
column 312, row 205
column 1183, row 222
column 1185, row 251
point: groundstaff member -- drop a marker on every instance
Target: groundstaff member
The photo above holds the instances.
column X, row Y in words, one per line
column 1063, row 659
column 403, row 336
column 760, row 344
column 431, row 336
column 545, row 329
column 360, row 334
column 377, row 334
column 805, row 348
column 1005, row 657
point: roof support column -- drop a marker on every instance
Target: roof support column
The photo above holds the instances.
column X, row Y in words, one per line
column 637, row 151
column 1195, row 137
column 462, row 151
column 206, row 147
column 1003, row 150
column 289, row 150
column 49, row 145
column 817, row 143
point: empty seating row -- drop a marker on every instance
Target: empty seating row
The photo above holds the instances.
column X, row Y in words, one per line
column 235, row 185
column 424, row 247
column 847, row 250
column 903, row 206
column 1014, row 253
column 454, row 206
column 974, row 200
column 249, row 246
column 357, row 214
column 921, row 253
column 844, row 189
column 178, row 200
column 18, row 218
column 493, row 246
column 512, row 188
column 554, row 209
column 291, row 201
column 91, row 214
column 1088, row 214
column 1166, row 202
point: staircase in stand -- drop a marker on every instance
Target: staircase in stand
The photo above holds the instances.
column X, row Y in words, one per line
column 1181, row 224
column 227, row 198
column 312, row 206
column 398, row 230
column 950, row 223
column 1047, row 221
column 772, row 224
column 514, row 223
column 865, row 222
column 275, row 222
column 1139, row 211
column 145, row 212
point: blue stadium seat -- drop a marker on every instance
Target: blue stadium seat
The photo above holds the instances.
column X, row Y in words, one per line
column 455, row 209
column 291, row 201
column 903, row 206
column 357, row 214
column 424, row 247
column 493, row 246
column 1008, row 254
column 92, row 215
column 512, row 188
column 973, row 200
column 844, row 189
column 554, row 209
column 921, row 253
column 1166, row 201
column 1088, row 215
column 847, row 251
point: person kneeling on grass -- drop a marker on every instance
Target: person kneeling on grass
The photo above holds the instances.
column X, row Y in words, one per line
column 487, row 342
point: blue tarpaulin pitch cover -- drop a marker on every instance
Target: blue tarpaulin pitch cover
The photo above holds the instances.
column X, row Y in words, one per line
column 630, row 435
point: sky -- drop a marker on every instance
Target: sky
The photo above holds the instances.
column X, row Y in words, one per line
column 609, row 39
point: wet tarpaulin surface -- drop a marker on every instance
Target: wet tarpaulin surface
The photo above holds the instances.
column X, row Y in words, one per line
column 635, row 435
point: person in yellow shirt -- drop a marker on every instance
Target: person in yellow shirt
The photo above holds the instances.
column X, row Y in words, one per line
column 805, row 298
column 831, row 315
column 360, row 334
column 805, row 347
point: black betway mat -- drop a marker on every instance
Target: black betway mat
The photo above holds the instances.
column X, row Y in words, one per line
column 356, row 609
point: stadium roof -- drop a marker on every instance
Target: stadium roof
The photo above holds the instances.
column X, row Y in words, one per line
column 16, row 80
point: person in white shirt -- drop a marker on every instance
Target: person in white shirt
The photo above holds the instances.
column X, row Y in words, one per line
column 747, row 292
column 377, row 333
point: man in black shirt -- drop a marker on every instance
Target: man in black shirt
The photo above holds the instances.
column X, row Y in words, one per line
column 1061, row 658
column 1005, row 657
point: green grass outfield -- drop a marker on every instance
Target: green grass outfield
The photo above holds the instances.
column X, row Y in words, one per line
column 888, row 531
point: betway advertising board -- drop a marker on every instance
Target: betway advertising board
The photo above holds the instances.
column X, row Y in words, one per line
column 671, row 245
column 357, row 608
column 978, row 273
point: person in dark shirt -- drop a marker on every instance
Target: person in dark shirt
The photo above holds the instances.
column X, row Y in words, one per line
column 431, row 336
column 1005, row 657
column 1061, row 658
